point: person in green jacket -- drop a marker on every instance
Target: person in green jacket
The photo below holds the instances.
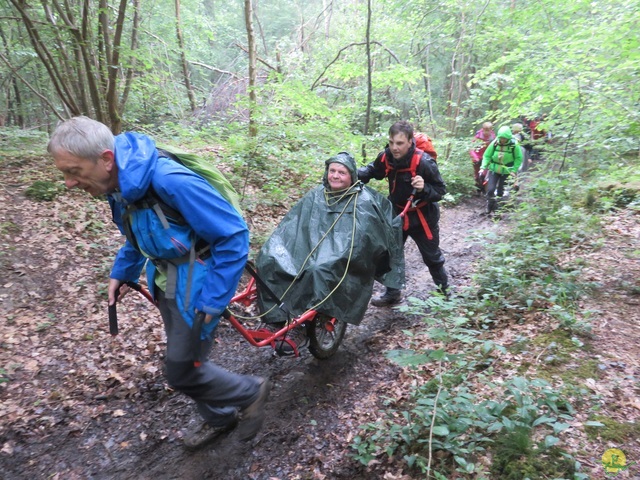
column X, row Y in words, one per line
column 502, row 158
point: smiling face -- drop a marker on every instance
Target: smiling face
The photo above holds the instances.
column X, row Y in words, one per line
column 338, row 176
column 399, row 145
column 94, row 177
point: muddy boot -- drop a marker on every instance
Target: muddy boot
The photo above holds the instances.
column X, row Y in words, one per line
column 391, row 297
column 205, row 434
column 492, row 204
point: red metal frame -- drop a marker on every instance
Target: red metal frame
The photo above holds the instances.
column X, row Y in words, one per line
column 260, row 337
column 263, row 337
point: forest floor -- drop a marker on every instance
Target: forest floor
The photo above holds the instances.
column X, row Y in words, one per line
column 77, row 403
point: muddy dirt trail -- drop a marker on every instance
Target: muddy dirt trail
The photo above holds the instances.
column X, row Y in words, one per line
column 129, row 425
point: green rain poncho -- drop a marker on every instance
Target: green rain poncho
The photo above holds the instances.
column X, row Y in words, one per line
column 329, row 248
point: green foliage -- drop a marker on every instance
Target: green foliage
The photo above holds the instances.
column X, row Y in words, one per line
column 516, row 457
column 610, row 430
column 523, row 270
column 455, row 421
column 456, row 168
column 444, row 414
column 43, row 190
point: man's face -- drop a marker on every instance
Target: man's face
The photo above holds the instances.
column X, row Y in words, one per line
column 95, row 178
column 503, row 141
column 399, row 145
column 338, row 176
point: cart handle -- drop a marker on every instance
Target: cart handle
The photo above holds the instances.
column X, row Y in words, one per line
column 409, row 202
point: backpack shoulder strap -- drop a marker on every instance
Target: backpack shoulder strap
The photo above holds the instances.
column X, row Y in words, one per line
column 415, row 161
column 413, row 168
column 387, row 167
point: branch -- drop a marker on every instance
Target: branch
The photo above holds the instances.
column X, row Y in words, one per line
column 264, row 62
column 433, row 421
column 214, row 69
column 355, row 44
column 30, row 87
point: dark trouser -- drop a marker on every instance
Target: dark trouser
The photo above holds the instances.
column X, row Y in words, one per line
column 431, row 254
column 218, row 394
column 495, row 184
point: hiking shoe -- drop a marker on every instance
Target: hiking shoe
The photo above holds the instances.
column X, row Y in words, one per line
column 391, row 297
column 296, row 335
column 252, row 417
column 205, row 434
column 445, row 292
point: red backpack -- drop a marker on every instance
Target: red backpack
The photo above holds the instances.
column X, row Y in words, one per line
column 423, row 144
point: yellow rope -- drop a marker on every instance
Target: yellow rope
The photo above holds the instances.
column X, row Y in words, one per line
column 328, row 195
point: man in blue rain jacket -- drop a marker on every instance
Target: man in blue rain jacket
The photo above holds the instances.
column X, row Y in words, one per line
column 196, row 244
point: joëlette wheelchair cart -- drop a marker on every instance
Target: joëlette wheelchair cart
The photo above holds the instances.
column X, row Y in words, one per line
column 325, row 333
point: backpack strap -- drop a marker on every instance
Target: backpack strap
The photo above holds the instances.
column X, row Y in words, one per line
column 423, row 221
column 512, row 146
column 413, row 167
column 199, row 250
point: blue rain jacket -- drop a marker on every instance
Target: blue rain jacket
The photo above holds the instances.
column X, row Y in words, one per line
column 207, row 216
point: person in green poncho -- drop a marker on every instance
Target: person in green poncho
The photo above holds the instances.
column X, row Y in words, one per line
column 328, row 249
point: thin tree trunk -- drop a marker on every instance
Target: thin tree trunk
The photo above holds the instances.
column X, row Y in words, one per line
column 134, row 46
column 183, row 58
column 251, row 40
column 87, row 42
column 453, row 100
column 114, row 70
column 260, row 29
column 369, row 66
column 428, row 86
column 328, row 10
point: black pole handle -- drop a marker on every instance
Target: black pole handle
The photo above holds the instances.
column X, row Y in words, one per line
column 113, row 316
column 113, row 320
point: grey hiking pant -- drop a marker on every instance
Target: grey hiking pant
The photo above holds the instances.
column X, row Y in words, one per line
column 495, row 185
column 218, row 394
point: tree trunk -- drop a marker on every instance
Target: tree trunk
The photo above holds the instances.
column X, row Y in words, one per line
column 248, row 18
column 427, row 80
column 183, row 58
column 133, row 46
column 86, row 68
column 369, row 86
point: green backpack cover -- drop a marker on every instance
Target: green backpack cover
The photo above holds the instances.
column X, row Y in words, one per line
column 206, row 170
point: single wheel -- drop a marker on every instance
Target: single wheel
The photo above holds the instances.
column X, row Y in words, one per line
column 325, row 334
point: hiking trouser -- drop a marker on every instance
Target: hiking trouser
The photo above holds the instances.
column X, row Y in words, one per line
column 476, row 161
column 495, row 185
column 432, row 256
column 218, row 394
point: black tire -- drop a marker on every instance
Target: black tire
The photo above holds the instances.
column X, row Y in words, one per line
column 325, row 335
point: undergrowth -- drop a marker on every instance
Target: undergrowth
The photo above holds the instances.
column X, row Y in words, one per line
column 451, row 427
